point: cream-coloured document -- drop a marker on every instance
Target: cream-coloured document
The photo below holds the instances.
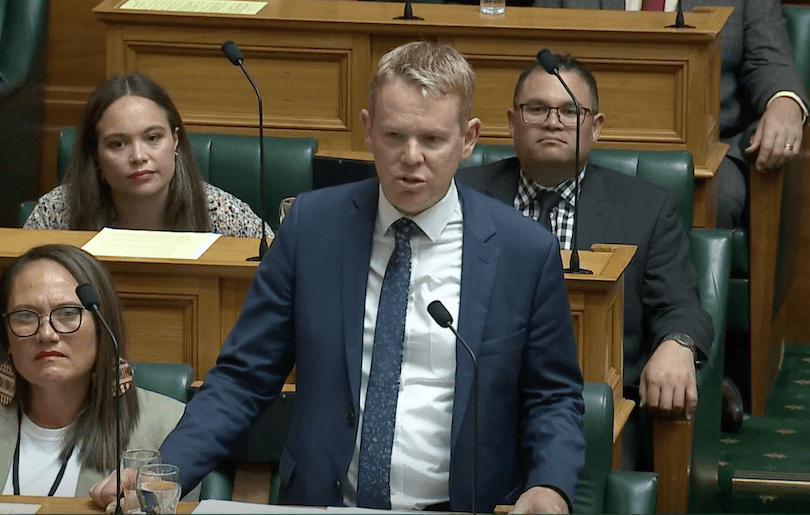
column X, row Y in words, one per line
column 8, row 507
column 150, row 244
column 213, row 506
column 196, row 6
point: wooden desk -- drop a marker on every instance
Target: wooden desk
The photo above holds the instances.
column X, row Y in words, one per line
column 176, row 311
column 312, row 60
column 73, row 504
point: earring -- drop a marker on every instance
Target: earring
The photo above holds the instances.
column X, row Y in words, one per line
column 124, row 377
column 8, row 381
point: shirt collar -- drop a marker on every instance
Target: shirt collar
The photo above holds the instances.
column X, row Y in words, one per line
column 431, row 221
column 566, row 189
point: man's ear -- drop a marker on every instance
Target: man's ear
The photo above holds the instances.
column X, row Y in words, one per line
column 596, row 127
column 365, row 121
column 510, row 117
column 471, row 132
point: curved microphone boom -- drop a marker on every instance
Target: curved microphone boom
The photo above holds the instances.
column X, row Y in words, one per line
column 443, row 317
column 236, row 58
column 549, row 63
column 89, row 299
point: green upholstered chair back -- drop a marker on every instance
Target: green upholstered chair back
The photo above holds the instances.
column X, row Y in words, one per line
column 231, row 162
column 485, row 153
column 797, row 23
column 22, row 28
column 170, row 379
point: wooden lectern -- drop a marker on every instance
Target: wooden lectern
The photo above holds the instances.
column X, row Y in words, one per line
column 659, row 87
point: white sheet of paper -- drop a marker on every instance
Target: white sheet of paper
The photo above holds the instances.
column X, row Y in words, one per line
column 197, row 6
column 8, row 508
column 214, row 507
column 150, row 244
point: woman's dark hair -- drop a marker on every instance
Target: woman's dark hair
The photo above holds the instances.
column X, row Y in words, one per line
column 89, row 197
column 94, row 426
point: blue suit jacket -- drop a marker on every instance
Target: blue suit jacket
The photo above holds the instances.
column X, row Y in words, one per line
column 306, row 306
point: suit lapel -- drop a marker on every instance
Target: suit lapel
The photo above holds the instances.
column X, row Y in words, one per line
column 594, row 209
column 479, row 264
column 356, row 256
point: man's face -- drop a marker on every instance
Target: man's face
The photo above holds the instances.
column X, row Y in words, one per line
column 417, row 142
column 546, row 149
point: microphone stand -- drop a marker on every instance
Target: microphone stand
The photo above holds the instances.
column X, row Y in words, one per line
column 407, row 13
column 679, row 23
column 442, row 317
column 573, row 263
column 234, row 55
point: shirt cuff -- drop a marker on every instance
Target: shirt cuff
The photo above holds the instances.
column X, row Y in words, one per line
column 794, row 96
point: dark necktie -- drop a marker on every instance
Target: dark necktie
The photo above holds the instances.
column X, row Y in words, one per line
column 652, row 5
column 546, row 201
column 379, row 415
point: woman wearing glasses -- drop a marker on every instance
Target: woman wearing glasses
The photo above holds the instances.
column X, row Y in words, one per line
column 57, row 384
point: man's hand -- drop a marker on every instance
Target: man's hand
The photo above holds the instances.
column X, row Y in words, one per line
column 104, row 492
column 668, row 385
column 779, row 134
column 540, row 499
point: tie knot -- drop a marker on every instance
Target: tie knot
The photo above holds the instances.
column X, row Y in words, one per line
column 405, row 228
column 547, row 199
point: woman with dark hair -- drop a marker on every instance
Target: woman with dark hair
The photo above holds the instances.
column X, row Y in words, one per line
column 57, row 383
column 132, row 167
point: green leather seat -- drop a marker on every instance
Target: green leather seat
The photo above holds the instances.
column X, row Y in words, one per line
column 600, row 489
column 170, row 379
column 22, row 86
column 231, row 162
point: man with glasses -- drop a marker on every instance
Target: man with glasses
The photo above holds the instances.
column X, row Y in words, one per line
column 665, row 330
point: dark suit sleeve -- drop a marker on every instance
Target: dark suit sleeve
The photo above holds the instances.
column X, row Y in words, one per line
column 670, row 292
column 255, row 359
column 552, row 442
column 767, row 63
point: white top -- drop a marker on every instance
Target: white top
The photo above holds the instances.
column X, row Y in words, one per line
column 635, row 5
column 40, row 463
column 420, row 457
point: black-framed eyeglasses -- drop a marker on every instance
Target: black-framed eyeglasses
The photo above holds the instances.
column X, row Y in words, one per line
column 26, row 322
column 535, row 113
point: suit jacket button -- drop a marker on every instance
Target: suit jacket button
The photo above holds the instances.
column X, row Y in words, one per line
column 338, row 487
column 350, row 417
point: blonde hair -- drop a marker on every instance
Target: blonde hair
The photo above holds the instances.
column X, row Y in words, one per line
column 436, row 68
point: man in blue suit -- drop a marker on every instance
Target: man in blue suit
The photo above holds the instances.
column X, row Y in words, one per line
column 316, row 303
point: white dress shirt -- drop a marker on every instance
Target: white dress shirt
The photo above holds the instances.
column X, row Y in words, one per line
column 420, row 456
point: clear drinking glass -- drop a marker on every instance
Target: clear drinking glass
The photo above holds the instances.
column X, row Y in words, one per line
column 492, row 6
column 158, row 488
column 135, row 459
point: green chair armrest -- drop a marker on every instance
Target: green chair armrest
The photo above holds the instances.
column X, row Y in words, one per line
column 218, row 484
column 631, row 492
column 710, row 253
column 170, row 379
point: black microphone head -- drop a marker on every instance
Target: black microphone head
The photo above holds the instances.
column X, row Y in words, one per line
column 232, row 52
column 548, row 61
column 87, row 296
column 440, row 313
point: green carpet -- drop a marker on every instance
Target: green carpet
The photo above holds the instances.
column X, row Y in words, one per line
column 778, row 441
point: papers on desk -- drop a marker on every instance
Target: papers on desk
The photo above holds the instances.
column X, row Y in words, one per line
column 149, row 244
column 196, row 6
column 8, row 507
column 214, row 507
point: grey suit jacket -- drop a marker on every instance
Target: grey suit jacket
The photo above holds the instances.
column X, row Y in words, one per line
column 660, row 284
column 158, row 416
column 756, row 62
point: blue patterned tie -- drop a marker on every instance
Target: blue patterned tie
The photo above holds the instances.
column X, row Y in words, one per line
column 379, row 416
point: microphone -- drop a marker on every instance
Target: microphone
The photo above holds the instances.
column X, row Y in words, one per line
column 89, row 299
column 679, row 23
column 236, row 58
column 443, row 317
column 407, row 13
column 549, row 63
